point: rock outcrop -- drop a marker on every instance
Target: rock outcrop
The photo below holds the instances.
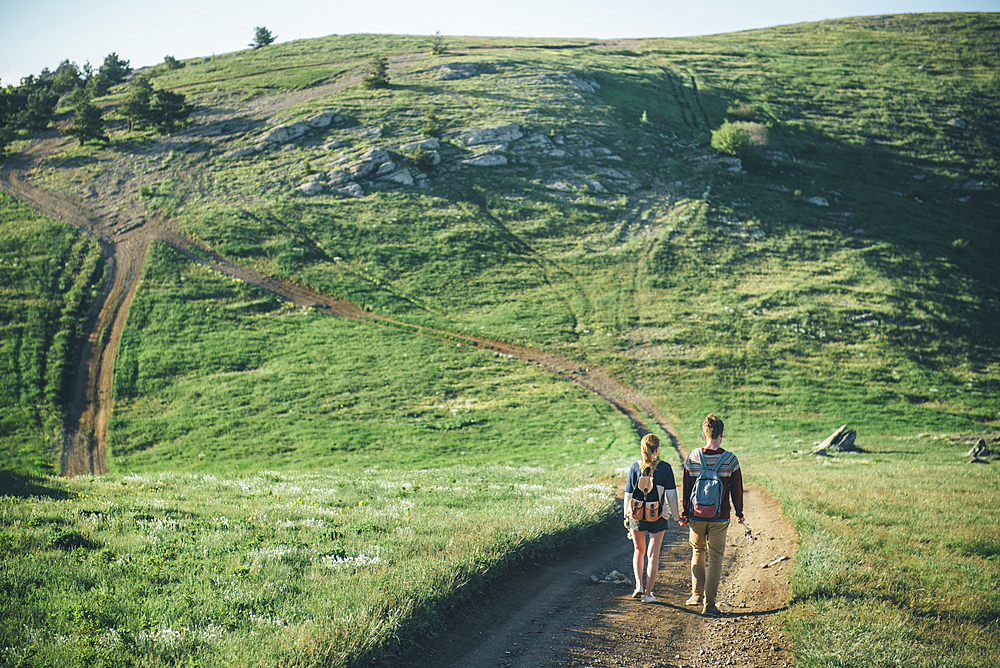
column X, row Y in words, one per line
column 506, row 132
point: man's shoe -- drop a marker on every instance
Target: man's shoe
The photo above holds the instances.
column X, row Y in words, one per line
column 696, row 599
column 710, row 610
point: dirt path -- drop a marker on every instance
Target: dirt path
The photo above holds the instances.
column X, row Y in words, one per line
column 577, row 611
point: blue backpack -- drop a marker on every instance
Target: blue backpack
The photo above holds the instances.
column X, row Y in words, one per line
column 706, row 497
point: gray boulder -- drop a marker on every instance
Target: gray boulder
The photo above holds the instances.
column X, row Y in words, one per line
column 486, row 160
column 498, row 133
column 426, row 144
column 842, row 440
column 283, row 134
column 450, row 71
column 312, row 188
column 369, row 162
column 240, row 153
column 349, row 190
column 400, row 176
column 323, row 120
column 338, row 176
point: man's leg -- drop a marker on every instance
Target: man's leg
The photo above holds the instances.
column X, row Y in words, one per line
column 716, row 538
column 698, row 541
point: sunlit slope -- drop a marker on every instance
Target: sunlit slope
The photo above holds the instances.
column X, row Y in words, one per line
column 844, row 266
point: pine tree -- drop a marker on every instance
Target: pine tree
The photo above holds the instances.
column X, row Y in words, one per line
column 379, row 77
column 87, row 123
column 261, row 37
column 137, row 106
column 169, row 110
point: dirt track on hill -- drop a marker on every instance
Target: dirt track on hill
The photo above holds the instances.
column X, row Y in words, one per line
column 575, row 611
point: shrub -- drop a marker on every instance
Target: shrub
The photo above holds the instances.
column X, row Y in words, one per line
column 422, row 159
column 431, row 124
column 739, row 138
column 731, row 139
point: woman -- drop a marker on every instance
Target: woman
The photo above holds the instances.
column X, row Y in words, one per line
column 662, row 485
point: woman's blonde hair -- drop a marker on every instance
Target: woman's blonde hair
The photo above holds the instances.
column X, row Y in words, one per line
column 649, row 444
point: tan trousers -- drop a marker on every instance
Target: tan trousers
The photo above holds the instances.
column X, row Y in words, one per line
column 707, row 539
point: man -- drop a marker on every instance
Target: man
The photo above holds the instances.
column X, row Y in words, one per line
column 707, row 532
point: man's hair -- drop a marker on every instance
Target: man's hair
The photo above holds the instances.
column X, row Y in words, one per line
column 712, row 426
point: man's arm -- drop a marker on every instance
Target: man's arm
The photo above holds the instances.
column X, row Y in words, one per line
column 736, row 493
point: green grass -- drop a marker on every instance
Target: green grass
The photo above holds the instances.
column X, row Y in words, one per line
column 48, row 275
column 898, row 551
column 272, row 568
column 212, row 365
column 706, row 289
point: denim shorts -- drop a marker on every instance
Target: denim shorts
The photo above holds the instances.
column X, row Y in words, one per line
column 652, row 527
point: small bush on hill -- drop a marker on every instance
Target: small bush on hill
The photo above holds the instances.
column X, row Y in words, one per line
column 731, row 139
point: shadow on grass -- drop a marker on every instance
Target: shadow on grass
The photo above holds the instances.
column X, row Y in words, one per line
column 23, row 486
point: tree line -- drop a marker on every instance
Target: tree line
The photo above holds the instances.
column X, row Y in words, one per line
column 29, row 107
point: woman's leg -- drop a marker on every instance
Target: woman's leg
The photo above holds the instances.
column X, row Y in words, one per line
column 653, row 559
column 639, row 541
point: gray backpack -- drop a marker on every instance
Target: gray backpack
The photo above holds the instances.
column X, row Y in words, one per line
column 706, row 497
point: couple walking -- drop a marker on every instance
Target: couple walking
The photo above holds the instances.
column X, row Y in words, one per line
column 712, row 478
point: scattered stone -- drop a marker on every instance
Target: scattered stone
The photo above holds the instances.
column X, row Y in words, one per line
column 426, row 144
column 369, row 161
column 313, row 188
column 324, row 119
column 979, row 453
column 349, row 190
column 401, row 176
column 498, row 133
column 486, row 160
column 240, row 153
column 818, row 201
column 337, row 177
column 841, row 440
column 956, row 122
column 286, row 133
column 368, row 132
column 451, row 71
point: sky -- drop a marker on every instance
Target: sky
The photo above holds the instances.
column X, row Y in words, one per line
column 37, row 34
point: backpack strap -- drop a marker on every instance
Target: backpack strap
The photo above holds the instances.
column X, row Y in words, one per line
column 713, row 469
column 652, row 470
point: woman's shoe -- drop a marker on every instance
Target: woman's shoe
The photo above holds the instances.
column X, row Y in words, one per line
column 637, row 593
column 648, row 598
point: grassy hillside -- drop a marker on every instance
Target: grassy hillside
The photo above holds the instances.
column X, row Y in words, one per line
column 842, row 272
